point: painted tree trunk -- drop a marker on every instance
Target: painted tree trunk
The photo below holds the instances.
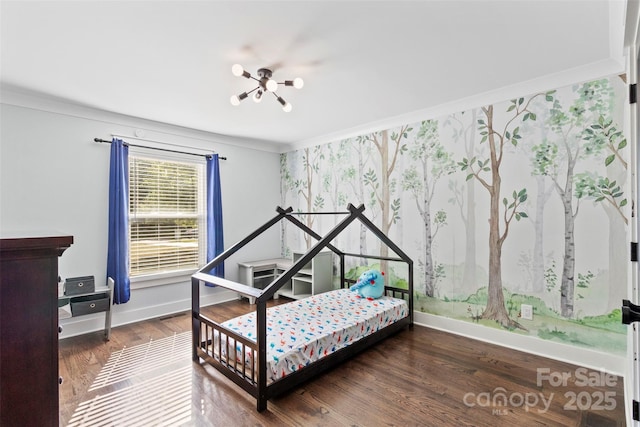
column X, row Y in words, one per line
column 567, row 286
column 537, row 284
column 385, row 202
column 469, row 278
column 399, row 235
column 283, row 203
column 309, row 168
column 360, row 187
column 425, row 213
column 495, row 309
column 335, row 197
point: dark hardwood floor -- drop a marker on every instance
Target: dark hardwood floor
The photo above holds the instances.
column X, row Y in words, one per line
column 419, row 377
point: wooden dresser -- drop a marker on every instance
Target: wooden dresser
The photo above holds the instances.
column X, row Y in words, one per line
column 29, row 378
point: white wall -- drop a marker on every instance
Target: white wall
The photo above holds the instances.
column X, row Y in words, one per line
column 54, row 178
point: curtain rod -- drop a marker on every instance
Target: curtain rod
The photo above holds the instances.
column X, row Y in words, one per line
column 158, row 148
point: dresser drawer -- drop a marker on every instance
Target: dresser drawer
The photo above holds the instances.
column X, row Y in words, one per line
column 89, row 304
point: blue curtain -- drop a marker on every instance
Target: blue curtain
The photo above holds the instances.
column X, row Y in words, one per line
column 215, row 242
column 118, row 251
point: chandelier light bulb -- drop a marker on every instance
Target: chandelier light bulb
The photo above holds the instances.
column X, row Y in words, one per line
column 286, row 107
column 271, row 85
column 298, row 83
column 257, row 97
column 237, row 99
column 237, row 70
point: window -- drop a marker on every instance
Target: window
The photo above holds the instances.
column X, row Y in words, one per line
column 166, row 216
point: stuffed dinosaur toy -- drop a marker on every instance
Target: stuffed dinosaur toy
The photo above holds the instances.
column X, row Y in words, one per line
column 370, row 284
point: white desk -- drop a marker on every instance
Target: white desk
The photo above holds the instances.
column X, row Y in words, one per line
column 260, row 273
column 314, row 278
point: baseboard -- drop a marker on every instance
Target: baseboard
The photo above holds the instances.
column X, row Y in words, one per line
column 95, row 322
column 583, row 357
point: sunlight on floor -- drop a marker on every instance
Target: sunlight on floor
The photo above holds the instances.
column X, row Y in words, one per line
column 152, row 386
column 143, row 358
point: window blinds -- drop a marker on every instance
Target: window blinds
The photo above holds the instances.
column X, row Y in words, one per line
column 166, row 215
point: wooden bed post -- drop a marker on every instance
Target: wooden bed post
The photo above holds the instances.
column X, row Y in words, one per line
column 261, row 319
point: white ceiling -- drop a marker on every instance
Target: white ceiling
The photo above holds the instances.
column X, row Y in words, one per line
column 366, row 64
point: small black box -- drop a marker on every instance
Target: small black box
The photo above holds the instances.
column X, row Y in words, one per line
column 89, row 304
column 79, row 285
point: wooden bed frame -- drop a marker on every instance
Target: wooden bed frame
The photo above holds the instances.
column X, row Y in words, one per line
column 247, row 377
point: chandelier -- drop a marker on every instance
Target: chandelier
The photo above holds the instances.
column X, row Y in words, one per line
column 265, row 84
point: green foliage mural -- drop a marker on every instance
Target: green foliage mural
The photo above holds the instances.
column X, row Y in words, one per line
column 520, row 202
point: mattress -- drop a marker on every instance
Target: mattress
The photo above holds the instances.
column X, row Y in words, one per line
column 303, row 331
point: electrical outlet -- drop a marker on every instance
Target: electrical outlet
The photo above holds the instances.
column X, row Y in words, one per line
column 526, row 312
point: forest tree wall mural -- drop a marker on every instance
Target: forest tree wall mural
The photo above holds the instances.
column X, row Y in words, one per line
column 520, row 202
